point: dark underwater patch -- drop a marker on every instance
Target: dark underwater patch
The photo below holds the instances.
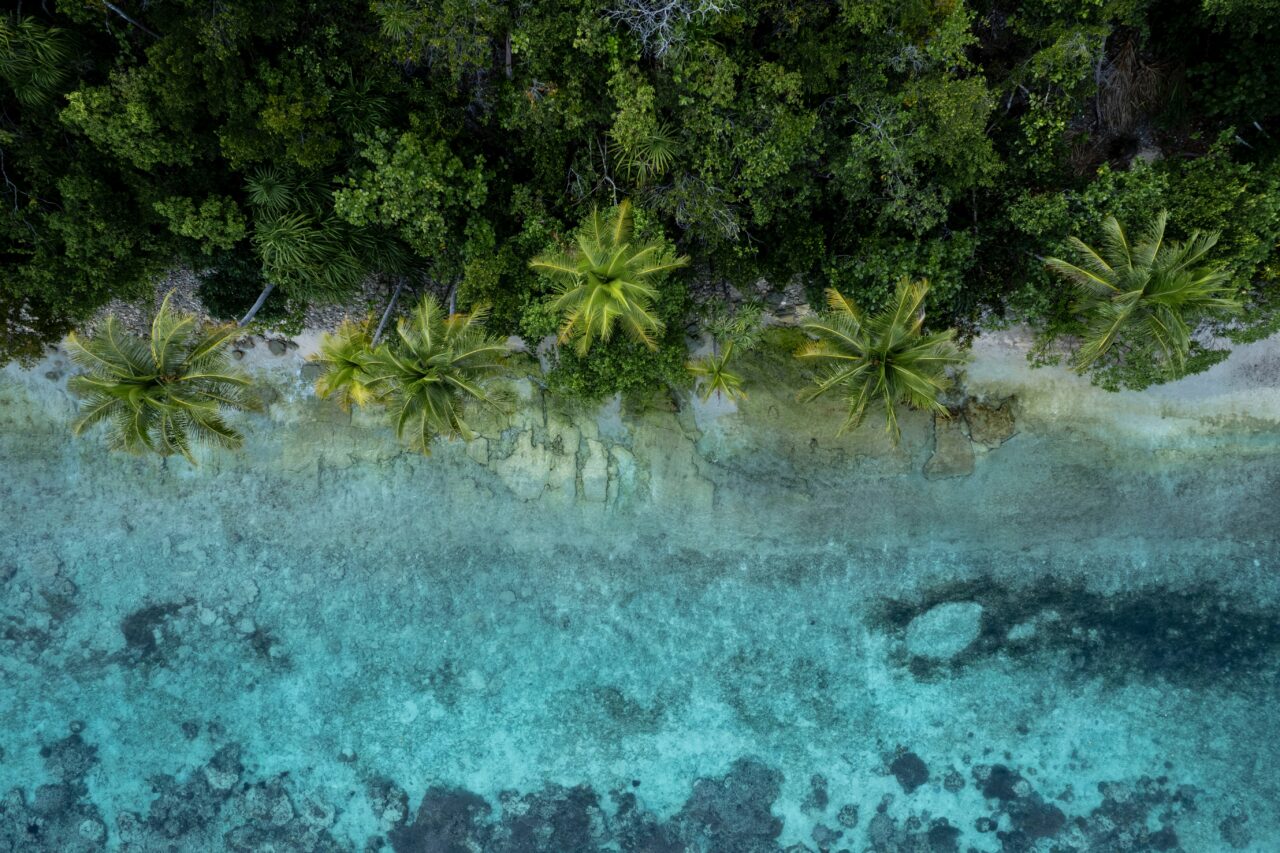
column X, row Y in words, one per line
column 224, row 805
column 1194, row 637
column 140, row 628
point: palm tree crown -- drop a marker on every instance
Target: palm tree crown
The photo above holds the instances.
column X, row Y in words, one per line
column 608, row 280
column 1146, row 294
column 343, row 358
column 881, row 360
column 715, row 376
column 437, row 363
column 159, row 393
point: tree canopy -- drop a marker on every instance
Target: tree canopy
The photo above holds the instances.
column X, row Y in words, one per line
column 299, row 147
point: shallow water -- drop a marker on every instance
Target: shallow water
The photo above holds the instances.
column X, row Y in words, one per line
column 619, row 631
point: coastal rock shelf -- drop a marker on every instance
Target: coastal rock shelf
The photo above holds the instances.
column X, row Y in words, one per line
column 616, row 628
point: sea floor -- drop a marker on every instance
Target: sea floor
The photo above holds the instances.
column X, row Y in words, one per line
column 658, row 631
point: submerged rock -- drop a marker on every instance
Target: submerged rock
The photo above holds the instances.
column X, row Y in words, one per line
column 944, row 631
column 447, row 819
column 910, row 771
column 952, row 451
column 990, row 424
column 734, row 812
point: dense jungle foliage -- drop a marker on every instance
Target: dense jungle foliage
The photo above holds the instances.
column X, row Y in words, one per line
column 307, row 145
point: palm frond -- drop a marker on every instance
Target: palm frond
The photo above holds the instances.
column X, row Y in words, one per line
column 1149, row 298
column 159, row 393
column 882, row 360
column 607, row 281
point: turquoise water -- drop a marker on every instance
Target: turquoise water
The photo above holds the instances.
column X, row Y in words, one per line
column 638, row 632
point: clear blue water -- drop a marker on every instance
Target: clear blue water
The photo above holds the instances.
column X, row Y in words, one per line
column 610, row 631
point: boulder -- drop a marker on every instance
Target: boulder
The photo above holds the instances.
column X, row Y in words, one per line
column 990, row 424
column 944, row 631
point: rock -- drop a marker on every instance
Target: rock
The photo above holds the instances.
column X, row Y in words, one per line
column 910, row 771
column 594, row 473
column 818, row 798
column 1233, row 830
column 447, row 819
column 1021, row 631
column 624, row 466
column 824, row 837
column 92, row 830
column 990, row 425
column 944, row 631
column 311, row 372
column 277, row 346
column 952, row 451
column 735, row 811
column 237, row 354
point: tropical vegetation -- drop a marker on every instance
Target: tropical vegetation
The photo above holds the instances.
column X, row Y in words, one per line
column 343, row 358
column 879, row 360
column 608, row 280
column 1142, row 300
column 295, row 153
column 437, row 365
column 165, row 392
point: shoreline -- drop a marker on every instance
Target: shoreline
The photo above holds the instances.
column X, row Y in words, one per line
column 1242, row 390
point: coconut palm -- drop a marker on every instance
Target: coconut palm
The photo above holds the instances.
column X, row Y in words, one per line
column 1144, row 296
column 731, row 332
column 437, row 363
column 343, row 358
column 608, row 281
column 881, row 360
column 716, row 378
column 160, row 393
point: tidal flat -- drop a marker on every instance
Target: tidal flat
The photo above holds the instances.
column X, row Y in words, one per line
column 1049, row 623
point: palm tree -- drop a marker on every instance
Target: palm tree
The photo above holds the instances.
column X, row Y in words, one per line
column 881, row 360
column 731, row 331
column 437, row 363
column 716, row 377
column 163, row 392
column 646, row 157
column 1144, row 296
column 34, row 59
column 608, row 280
column 343, row 357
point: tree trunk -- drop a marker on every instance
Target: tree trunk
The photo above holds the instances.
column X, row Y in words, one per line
column 507, row 57
column 257, row 306
column 386, row 315
column 114, row 8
